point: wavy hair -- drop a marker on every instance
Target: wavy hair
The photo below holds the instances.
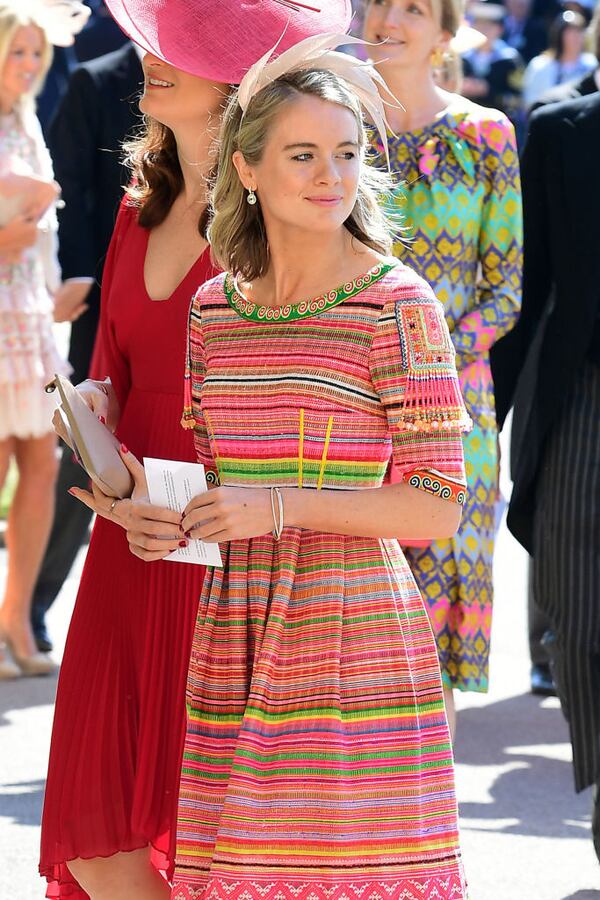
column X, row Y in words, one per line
column 237, row 231
column 156, row 176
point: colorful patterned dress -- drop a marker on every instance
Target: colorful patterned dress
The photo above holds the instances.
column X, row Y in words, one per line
column 317, row 761
column 460, row 200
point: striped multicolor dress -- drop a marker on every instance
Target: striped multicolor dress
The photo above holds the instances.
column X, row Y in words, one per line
column 317, row 761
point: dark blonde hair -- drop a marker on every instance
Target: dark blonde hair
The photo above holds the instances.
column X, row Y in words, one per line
column 237, row 231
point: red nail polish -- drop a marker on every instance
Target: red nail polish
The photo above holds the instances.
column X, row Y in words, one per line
column 71, row 491
column 124, row 449
column 183, row 543
column 188, row 534
column 102, row 419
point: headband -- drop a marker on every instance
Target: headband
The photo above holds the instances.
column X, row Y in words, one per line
column 318, row 53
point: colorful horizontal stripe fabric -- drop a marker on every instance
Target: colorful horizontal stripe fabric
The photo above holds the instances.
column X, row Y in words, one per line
column 317, row 761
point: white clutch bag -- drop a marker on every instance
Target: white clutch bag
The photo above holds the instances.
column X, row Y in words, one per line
column 95, row 447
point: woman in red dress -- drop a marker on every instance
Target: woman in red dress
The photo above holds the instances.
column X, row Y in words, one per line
column 111, row 795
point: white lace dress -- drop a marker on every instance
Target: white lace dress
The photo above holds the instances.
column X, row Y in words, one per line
column 29, row 356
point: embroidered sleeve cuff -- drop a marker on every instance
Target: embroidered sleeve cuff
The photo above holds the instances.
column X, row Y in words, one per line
column 437, row 484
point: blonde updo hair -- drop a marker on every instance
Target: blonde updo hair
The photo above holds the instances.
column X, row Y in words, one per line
column 12, row 17
column 237, row 231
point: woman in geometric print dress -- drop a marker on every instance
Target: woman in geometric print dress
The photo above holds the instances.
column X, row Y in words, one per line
column 317, row 759
column 459, row 196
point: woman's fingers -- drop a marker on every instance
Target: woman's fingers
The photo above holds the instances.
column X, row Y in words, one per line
column 201, row 501
column 136, row 469
column 59, row 426
column 167, row 531
column 85, row 497
column 146, row 555
column 153, row 544
column 142, row 512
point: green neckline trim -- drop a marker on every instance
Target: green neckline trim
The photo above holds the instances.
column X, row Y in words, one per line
column 256, row 313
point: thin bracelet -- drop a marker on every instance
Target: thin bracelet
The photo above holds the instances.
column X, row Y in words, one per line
column 277, row 517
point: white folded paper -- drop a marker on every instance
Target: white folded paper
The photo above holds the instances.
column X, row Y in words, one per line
column 172, row 485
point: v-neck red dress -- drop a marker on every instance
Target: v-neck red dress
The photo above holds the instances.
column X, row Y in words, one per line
column 119, row 720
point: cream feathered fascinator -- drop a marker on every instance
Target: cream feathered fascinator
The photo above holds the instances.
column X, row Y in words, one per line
column 319, row 52
column 60, row 19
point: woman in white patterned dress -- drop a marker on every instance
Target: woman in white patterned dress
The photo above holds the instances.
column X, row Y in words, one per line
column 28, row 354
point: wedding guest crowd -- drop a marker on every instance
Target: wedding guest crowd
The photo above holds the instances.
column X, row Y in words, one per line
column 345, row 398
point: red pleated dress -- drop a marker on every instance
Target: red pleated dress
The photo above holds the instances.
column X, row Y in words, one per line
column 120, row 709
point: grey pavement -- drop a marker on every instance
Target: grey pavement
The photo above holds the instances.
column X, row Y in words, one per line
column 525, row 833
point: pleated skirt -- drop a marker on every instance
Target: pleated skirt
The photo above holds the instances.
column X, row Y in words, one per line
column 120, row 708
column 317, row 761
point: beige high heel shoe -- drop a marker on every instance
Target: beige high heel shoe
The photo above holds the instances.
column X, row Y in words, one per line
column 36, row 664
column 8, row 670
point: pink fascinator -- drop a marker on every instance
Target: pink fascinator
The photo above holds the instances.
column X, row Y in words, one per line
column 220, row 39
column 319, row 53
column 60, row 19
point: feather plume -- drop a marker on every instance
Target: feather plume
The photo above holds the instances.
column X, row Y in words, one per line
column 60, row 19
column 318, row 52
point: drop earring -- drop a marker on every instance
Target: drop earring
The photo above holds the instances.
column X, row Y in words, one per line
column 251, row 198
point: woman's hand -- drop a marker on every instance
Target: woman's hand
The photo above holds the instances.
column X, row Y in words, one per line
column 15, row 237
column 101, row 399
column 228, row 514
column 152, row 532
column 69, row 300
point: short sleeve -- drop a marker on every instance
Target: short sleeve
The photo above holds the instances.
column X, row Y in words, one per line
column 195, row 370
column 412, row 363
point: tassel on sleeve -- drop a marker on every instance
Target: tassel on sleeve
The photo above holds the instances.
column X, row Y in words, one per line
column 431, row 399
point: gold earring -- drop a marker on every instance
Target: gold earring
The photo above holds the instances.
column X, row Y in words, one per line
column 437, row 58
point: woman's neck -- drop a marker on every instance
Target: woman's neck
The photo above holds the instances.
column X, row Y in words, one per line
column 303, row 265
column 195, row 149
column 421, row 98
column 568, row 58
column 7, row 104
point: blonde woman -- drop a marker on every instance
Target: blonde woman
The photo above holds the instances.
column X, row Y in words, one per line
column 28, row 354
column 459, row 194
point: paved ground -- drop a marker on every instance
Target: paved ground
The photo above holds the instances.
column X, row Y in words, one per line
column 525, row 832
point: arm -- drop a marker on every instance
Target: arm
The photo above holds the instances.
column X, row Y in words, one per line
column 16, row 236
column 500, row 248
column 73, row 141
column 412, row 369
column 108, row 360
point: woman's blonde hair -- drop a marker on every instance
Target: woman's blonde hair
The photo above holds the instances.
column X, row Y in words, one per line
column 449, row 13
column 11, row 19
column 237, row 231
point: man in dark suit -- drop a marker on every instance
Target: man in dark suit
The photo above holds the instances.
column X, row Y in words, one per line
column 95, row 115
column 549, row 367
column 541, row 677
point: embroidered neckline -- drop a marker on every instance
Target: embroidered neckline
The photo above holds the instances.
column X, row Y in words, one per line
column 292, row 311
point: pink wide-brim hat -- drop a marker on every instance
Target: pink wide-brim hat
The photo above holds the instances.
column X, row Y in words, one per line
column 220, row 39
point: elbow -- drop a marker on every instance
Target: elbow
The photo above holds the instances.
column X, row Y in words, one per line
column 447, row 523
